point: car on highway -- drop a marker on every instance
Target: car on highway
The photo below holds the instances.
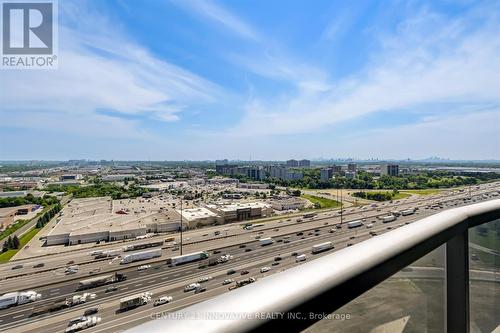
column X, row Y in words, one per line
column 90, row 311
column 76, row 320
column 286, row 241
column 227, row 281
column 338, row 226
column 242, row 246
column 265, row 269
column 39, row 265
column 200, row 290
column 331, row 231
column 243, row 272
column 143, row 267
column 111, row 288
column 71, row 262
column 248, row 249
column 17, row 267
column 300, row 233
column 163, row 300
column 231, row 271
column 349, row 244
column 352, row 237
column 278, row 258
column 275, row 263
column 215, row 251
column 191, row 286
column 276, row 229
column 294, row 254
column 204, row 279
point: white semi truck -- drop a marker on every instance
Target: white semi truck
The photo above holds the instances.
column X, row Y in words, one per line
column 322, row 247
column 266, row 241
column 190, row 257
column 18, row 298
column 388, row 218
column 134, row 301
column 354, row 224
column 408, row 212
column 145, row 255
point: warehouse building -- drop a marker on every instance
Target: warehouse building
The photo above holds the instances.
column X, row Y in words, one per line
column 200, row 216
column 241, row 211
column 93, row 220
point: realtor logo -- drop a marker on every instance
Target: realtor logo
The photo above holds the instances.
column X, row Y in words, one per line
column 29, row 34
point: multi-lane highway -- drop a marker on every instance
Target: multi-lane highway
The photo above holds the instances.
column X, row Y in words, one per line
column 289, row 235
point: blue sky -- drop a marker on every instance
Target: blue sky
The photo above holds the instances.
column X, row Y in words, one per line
column 171, row 80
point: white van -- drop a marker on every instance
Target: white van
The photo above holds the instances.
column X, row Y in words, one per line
column 301, row 257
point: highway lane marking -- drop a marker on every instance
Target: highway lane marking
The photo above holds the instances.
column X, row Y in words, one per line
column 124, row 288
column 138, row 285
column 18, row 316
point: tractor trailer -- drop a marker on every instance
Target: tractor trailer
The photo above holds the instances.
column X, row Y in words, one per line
column 354, row 224
column 190, row 257
column 266, row 241
column 18, row 298
column 134, row 301
column 145, row 255
column 101, row 281
column 388, row 218
column 322, row 247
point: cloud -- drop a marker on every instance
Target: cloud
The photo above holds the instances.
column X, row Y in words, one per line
column 430, row 60
column 219, row 15
column 101, row 69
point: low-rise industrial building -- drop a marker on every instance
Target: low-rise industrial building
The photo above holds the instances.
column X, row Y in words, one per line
column 102, row 219
column 200, row 216
column 287, row 203
column 241, row 211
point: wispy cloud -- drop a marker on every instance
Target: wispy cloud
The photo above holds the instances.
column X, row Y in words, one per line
column 100, row 68
column 459, row 60
column 219, row 15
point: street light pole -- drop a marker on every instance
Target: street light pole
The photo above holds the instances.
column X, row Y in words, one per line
column 181, row 227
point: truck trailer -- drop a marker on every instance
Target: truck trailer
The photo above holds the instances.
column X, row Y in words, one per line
column 134, row 247
column 322, row 247
column 145, row 255
column 388, row 218
column 354, row 224
column 266, row 241
column 190, row 257
column 134, row 301
column 407, row 212
column 18, row 298
column 101, row 281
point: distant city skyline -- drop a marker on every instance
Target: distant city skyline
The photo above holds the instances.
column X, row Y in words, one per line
column 261, row 80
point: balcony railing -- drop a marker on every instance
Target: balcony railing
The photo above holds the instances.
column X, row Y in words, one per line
column 327, row 283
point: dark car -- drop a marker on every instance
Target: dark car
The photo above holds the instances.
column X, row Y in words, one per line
column 248, row 249
column 316, row 230
column 200, row 290
column 231, row 271
column 276, row 263
column 243, row 272
column 90, row 311
column 278, row 258
column 352, row 237
column 300, row 233
column 17, row 267
column 294, row 254
column 216, row 251
column 39, row 265
column 70, row 262
column 338, row 226
column 242, row 246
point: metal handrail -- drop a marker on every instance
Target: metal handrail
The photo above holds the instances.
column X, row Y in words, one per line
column 327, row 283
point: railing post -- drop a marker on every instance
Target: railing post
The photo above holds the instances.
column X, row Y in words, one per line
column 457, row 283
